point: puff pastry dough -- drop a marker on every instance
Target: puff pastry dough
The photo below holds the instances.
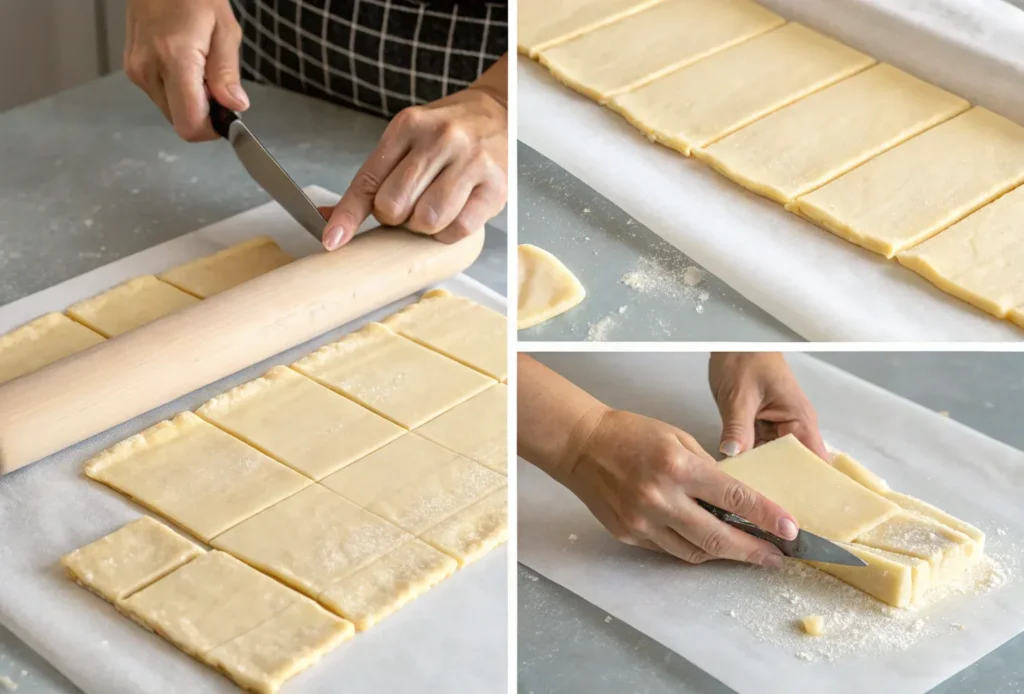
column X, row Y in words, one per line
column 42, row 342
column 543, row 23
column 546, row 287
column 477, row 428
column 130, row 305
column 228, row 268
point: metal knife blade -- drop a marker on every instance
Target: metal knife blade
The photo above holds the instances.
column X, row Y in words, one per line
column 807, row 545
column 265, row 170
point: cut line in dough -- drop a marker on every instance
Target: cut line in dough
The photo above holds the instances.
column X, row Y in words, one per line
column 228, row 268
column 476, row 429
column 547, row 288
column 130, row 305
column 474, row 531
column 42, row 342
column 544, row 23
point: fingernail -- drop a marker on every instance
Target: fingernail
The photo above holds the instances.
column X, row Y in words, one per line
column 772, row 561
column 787, row 529
column 236, row 91
column 729, row 448
column 332, row 238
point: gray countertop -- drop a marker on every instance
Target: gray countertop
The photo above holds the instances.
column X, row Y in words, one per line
column 565, row 645
column 95, row 174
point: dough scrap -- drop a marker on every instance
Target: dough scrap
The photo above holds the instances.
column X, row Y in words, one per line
column 544, row 23
column 476, row 429
column 813, row 625
column 896, row 579
column 393, row 376
column 805, row 145
column 129, row 559
column 546, row 287
column 228, row 268
column 714, row 97
column 130, row 305
column 299, row 422
column 458, row 328
column 980, row 259
column 645, row 45
column 474, row 531
column 41, row 342
column 823, row 500
column 914, row 191
column 858, row 473
column 195, row 475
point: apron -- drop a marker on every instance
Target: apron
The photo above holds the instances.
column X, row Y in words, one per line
column 378, row 56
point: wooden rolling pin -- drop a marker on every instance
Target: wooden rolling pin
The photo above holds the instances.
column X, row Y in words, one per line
column 76, row 398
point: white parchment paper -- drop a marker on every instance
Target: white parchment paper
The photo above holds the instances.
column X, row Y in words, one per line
column 820, row 286
column 916, row 450
column 451, row 639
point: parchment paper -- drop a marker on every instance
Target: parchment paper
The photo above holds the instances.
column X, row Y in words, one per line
column 916, row 450
column 451, row 639
column 820, row 286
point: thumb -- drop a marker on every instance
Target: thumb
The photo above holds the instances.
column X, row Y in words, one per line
column 222, row 67
column 738, row 414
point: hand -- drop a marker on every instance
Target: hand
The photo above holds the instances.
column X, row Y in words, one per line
column 172, row 48
column 640, row 476
column 439, row 169
column 759, row 401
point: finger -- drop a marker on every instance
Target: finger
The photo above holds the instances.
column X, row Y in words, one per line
column 668, row 540
column 712, row 485
column 158, row 94
column 738, row 413
column 186, row 97
column 222, row 67
column 808, row 434
column 442, row 202
column 357, row 202
column 405, row 186
column 721, row 540
column 483, row 204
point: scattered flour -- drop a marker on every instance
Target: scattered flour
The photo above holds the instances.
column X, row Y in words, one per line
column 608, row 619
column 169, row 158
column 622, row 309
column 598, row 331
column 573, row 537
column 668, row 275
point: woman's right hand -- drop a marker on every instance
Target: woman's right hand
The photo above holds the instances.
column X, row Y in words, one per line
column 175, row 50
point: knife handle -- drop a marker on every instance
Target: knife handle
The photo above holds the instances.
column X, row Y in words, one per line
column 739, row 523
column 221, row 118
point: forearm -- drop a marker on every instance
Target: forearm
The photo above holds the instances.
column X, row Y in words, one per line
column 494, row 81
column 556, row 417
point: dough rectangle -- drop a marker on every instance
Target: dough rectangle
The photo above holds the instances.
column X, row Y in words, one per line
column 896, row 579
column 543, row 23
column 41, row 342
column 476, row 429
column 130, row 305
column 474, row 531
column 228, row 268
column 706, row 101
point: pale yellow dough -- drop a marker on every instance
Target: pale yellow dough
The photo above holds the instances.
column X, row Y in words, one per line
column 916, row 190
column 925, row 509
column 42, row 342
column 299, row 422
column 807, row 144
column 858, row 473
column 228, row 268
column 706, row 101
column 543, row 23
column 128, row 559
column 546, row 287
column 197, row 476
column 474, row 531
column 392, row 375
column 947, row 551
column 896, row 579
column 130, row 305
column 979, row 259
column 477, row 429
column 645, row 45
column 813, row 625
column 457, row 328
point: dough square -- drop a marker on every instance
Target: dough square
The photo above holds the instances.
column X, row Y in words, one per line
column 916, row 190
column 807, row 144
column 299, row 422
column 311, row 540
column 207, row 602
column 714, row 97
column 261, row 660
column 474, row 531
column 645, row 45
column 980, row 259
column 129, row 559
column 227, row 268
column 457, row 328
column 195, row 475
column 544, row 23
column 393, row 376
column 130, row 305
column 401, row 575
column 42, row 342
column 896, row 579
column 476, row 429
column 547, row 288
column 413, row 483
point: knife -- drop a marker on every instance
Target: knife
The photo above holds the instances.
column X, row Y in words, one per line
column 806, row 545
column 265, row 169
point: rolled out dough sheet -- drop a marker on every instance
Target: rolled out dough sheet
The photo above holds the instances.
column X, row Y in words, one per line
column 822, row 499
column 547, row 288
column 299, row 422
column 130, row 305
column 645, row 45
column 706, row 101
column 129, row 559
column 807, row 144
column 458, row 328
column 195, row 475
column 914, row 191
column 392, row 375
column 414, row 483
column 858, row 473
column 477, row 429
column 544, row 23
column 41, row 342
column 896, row 579
column 473, row 532
column 980, row 259
column 213, row 274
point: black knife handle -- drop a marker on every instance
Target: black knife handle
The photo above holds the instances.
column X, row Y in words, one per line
column 221, row 118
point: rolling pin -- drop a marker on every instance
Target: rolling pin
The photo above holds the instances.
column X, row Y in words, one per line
column 80, row 396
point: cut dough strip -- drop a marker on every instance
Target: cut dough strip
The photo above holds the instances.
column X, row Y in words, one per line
column 42, row 342
column 543, row 23
column 476, row 429
column 546, row 287
column 229, row 268
column 130, row 305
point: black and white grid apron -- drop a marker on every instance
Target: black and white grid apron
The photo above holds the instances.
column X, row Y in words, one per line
column 378, row 56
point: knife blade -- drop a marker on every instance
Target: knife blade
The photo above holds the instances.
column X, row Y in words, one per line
column 265, row 170
column 807, row 545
